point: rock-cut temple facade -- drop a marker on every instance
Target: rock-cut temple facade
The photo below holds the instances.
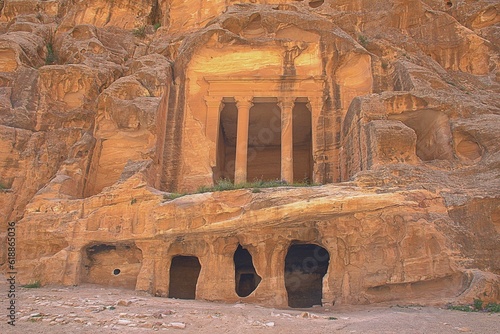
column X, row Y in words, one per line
column 378, row 119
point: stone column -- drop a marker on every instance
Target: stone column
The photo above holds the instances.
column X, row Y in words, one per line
column 286, row 105
column 315, row 105
column 73, row 265
column 147, row 277
column 214, row 107
column 244, row 104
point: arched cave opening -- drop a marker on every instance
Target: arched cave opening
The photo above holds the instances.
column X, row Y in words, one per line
column 254, row 28
column 305, row 266
column 316, row 3
column 184, row 273
column 302, row 143
column 245, row 275
column 433, row 133
column 467, row 148
column 115, row 265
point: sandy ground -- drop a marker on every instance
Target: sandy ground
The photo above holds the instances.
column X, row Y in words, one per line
column 91, row 309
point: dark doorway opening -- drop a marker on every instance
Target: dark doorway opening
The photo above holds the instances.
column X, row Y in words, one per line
column 316, row 3
column 302, row 144
column 246, row 277
column 226, row 149
column 184, row 272
column 264, row 141
column 305, row 266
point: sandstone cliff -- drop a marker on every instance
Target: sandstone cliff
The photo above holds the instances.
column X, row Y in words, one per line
column 390, row 108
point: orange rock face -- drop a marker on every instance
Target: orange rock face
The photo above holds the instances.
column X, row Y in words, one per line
column 387, row 110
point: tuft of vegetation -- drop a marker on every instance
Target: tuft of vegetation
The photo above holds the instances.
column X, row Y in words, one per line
column 133, row 201
column 156, row 26
column 172, row 196
column 449, row 82
column 363, row 40
column 139, row 32
column 463, row 308
column 332, row 318
column 225, row 185
column 34, row 285
column 477, row 306
column 50, row 58
column 492, row 308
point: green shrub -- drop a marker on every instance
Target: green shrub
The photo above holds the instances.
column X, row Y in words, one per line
column 464, row 308
column 478, row 304
column 492, row 308
column 171, row 196
column 224, row 185
column 51, row 57
column 33, row 285
column 139, row 32
column 363, row 40
column 156, row 26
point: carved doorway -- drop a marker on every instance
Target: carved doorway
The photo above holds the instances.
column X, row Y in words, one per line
column 184, row 273
column 226, row 147
column 264, row 141
column 305, row 266
column 302, row 143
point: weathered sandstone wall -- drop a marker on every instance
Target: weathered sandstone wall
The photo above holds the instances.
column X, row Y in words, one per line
column 390, row 109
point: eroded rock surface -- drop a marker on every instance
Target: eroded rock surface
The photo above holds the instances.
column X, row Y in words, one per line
column 390, row 109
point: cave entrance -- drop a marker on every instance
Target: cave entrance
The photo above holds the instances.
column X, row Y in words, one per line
column 305, row 266
column 184, row 273
column 433, row 133
column 316, row 3
column 116, row 265
column 264, row 141
column 246, row 277
column 302, row 143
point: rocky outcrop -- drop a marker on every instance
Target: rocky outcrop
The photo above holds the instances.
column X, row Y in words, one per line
column 388, row 109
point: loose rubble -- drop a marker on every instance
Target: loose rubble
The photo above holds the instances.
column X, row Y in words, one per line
column 92, row 309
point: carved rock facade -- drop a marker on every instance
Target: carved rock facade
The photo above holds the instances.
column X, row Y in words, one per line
column 107, row 108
